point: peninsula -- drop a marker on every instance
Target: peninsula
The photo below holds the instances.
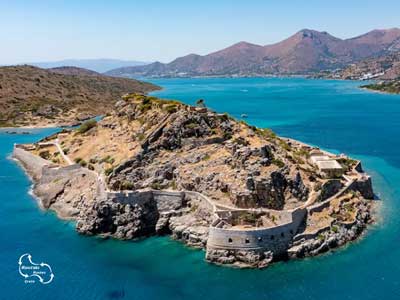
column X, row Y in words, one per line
column 34, row 97
column 389, row 86
column 160, row 167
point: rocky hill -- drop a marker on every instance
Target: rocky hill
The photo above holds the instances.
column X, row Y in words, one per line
column 98, row 65
column 384, row 67
column 389, row 86
column 30, row 96
column 160, row 144
column 305, row 52
column 154, row 166
column 69, row 70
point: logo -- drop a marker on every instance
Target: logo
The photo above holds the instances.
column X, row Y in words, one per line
column 33, row 272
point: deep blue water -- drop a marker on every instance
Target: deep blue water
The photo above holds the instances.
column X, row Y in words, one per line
column 335, row 115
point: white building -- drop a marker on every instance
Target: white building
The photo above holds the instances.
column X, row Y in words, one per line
column 327, row 165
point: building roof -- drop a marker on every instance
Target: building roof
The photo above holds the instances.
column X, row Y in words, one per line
column 328, row 165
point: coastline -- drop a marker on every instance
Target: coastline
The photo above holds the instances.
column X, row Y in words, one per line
column 302, row 248
column 378, row 91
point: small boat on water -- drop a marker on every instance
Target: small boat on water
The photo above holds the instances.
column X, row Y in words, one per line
column 243, row 115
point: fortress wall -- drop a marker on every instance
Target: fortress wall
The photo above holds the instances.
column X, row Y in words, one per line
column 231, row 215
column 49, row 173
column 132, row 198
column 200, row 200
column 275, row 239
column 165, row 200
column 33, row 164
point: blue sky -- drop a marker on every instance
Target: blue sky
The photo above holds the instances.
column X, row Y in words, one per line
column 46, row 30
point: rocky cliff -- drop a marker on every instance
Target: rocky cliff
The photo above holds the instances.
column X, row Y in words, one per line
column 154, row 166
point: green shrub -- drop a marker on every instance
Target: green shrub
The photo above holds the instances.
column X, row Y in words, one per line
column 278, row 163
column 108, row 159
column 191, row 125
column 173, row 185
column 126, row 185
column 108, row 171
column 78, row 160
column 87, row 126
column 227, row 135
column 248, row 218
column 155, row 186
column 171, row 108
column 146, row 100
column 44, row 154
column 265, row 132
column 206, row 157
column 140, row 136
column 144, row 107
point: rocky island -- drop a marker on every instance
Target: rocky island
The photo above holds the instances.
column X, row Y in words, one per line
column 160, row 167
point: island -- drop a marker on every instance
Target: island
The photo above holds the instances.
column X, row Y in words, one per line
column 160, row 167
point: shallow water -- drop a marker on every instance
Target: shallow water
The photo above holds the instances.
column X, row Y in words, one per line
column 335, row 115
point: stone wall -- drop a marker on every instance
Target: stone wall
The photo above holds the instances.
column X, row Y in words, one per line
column 33, row 164
column 50, row 173
column 275, row 239
column 165, row 200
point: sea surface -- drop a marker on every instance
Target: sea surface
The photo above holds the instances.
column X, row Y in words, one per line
column 335, row 115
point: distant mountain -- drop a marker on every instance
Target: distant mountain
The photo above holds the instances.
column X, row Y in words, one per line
column 98, row 65
column 305, row 52
column 74, row 71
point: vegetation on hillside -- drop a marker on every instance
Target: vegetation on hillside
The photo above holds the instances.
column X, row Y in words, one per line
column 32, row 96
column 392, row 87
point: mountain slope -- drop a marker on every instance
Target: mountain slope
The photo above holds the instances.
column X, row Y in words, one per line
column 385, row 67
column 31, row 96
column 99, row 65
column 305, row 52
column 66, row 70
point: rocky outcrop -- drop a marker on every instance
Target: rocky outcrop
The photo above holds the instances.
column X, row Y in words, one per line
column 335, row 236
column 330, row 188
column 364, row 186
column 240, row 258
column 121, row 221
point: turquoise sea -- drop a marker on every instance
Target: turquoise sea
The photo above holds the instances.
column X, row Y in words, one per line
column 335, row 115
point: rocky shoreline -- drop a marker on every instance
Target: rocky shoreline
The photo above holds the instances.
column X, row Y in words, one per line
column 107, row 218
column 246, row 196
